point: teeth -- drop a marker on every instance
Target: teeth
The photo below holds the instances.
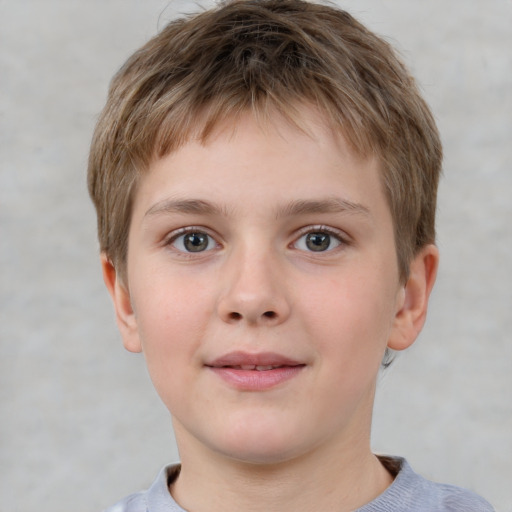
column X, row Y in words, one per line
column 259, row 368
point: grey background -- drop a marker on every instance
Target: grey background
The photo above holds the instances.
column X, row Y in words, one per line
column 80, row 423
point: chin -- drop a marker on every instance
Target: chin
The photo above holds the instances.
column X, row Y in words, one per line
column 271, row 445
column 269, row 455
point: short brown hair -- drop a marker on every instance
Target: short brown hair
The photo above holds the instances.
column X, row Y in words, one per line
column 266, row 55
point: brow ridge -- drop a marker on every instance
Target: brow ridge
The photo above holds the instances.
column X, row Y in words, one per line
column 191, row 206
column 326, row 205
column 293, row 208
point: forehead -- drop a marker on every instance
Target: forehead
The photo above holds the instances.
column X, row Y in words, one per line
column 249, row 157
column 210, row 122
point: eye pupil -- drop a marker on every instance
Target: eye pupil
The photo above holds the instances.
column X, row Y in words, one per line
column 195, row 242
column 318, row 241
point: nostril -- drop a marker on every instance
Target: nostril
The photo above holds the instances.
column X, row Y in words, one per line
column 269, row 314
column 235, row 316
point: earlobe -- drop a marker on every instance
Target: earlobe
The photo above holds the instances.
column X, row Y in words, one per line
column 411, row 315
column 125, row 315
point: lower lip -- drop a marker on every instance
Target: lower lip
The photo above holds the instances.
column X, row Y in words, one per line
column 257, row 380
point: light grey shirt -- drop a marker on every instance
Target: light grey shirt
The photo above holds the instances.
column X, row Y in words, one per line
column 409, row 492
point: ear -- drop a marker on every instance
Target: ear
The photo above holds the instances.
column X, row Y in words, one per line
column 412, row 310
column 125, row 315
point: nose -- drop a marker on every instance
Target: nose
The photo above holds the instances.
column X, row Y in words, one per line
column 253, row 290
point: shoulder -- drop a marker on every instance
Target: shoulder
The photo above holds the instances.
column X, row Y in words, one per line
column 411, row 492
column 457, row 499
column 133, row 503
column 157, row 497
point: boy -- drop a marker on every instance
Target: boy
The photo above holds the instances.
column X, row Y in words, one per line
column 265, row 178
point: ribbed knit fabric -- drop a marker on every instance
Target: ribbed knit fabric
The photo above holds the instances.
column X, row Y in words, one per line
column 409, row 492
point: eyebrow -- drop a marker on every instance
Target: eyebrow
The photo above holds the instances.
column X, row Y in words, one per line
column 296, row 207
column 327, row 205
column 191, row 206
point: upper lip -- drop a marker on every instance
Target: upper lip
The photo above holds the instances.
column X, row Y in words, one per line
column 257, row 359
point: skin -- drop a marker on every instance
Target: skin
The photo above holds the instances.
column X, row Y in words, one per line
column 255, row 193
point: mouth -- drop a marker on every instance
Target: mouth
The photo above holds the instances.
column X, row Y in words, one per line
column 262, row 361
column 254, row 367
column 255, row 372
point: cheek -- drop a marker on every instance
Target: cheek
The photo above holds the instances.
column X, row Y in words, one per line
column 169, row 303
column 351, row 317
column 171, row 318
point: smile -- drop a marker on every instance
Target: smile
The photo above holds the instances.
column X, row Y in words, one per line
column 255, row 372
column 259, row 368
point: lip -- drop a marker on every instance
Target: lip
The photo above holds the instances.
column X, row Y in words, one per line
column 257, row 359
column 255, row 372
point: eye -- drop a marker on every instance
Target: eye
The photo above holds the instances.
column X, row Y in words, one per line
column 193, row 241
column 318, row 241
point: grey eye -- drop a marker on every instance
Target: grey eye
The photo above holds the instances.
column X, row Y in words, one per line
column 317, row 241
column 195, row 241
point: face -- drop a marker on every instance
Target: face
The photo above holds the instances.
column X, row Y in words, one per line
column 262, row 287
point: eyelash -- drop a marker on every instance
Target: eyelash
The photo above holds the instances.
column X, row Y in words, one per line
column 182, row 232
column 339, row 237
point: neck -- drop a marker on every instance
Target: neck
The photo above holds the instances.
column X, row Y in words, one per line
column 341, row 479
